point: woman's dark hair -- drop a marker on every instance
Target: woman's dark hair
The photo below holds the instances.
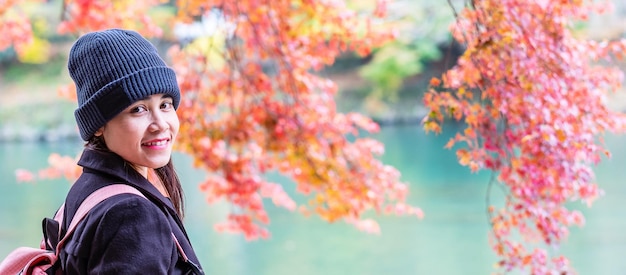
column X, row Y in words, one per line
column 166, row 174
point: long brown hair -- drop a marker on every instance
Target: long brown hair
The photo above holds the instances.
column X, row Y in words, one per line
column 166, row 174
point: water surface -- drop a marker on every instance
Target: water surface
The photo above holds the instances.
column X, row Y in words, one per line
column 451, row 239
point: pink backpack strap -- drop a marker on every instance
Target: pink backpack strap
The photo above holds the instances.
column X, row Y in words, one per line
column 195, row 268
column 92, row 200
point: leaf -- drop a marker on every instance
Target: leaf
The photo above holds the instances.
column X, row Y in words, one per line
column 463, row 156
column 450, row 143
column 434, row 82
column 35, row 52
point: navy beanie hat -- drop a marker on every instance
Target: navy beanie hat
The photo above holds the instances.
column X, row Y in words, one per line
column 112, row 69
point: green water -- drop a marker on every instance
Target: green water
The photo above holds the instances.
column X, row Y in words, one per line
column 451, row 239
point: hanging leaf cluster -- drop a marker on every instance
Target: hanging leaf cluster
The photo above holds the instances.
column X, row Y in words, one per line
column 533, row 98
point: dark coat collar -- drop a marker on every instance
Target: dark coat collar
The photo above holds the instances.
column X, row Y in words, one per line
column 112, row 165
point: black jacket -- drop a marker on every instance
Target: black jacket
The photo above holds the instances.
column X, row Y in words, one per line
column 125, row 234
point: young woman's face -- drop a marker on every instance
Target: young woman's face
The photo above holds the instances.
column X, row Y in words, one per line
column 144, row 132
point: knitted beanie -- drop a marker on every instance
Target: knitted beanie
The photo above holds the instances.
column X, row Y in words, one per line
column 112, row 69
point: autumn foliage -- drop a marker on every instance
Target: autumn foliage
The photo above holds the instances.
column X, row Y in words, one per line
column 252, row 104
column 531, row 93
column 533, row 98
column 15, row 27
column 259, row 107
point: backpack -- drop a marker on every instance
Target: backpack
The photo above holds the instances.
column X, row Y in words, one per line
column 43, row 260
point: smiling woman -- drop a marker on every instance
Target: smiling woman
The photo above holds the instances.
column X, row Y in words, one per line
column 143, row 133
column 127, row 101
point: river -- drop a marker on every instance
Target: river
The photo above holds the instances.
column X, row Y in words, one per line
column 451, row 239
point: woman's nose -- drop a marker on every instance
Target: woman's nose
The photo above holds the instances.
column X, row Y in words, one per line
column 159, row 121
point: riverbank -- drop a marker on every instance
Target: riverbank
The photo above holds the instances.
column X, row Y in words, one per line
column 30, row 106
column 38, row 114
column 31, row 109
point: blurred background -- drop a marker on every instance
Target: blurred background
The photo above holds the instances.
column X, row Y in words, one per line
column 452, row 238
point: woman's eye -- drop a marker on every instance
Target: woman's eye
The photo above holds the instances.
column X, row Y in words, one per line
column 138, row 109
column 167, row 105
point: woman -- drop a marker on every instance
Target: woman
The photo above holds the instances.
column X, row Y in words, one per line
column 127, row 101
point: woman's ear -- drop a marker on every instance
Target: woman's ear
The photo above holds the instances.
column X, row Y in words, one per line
column 99, row 132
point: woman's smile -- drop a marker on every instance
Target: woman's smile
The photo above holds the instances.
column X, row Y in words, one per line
column 157, row 143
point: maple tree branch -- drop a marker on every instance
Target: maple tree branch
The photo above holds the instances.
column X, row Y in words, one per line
column 447, row 59
column 282, row 58
column 489, row 212
column 472, row 3
column 293, row 93
column 456, row 14
column 233, row 61
column 63, row 10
